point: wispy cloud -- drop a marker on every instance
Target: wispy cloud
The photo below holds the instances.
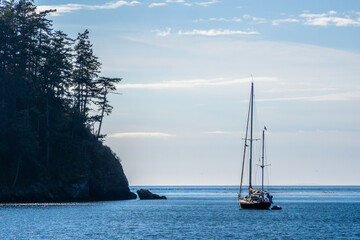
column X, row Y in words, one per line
column 195, row 83
column 175, row 1
column 181, row 2
column 326, row 19
column 161, row 33
column 286, row 20
column 216, row 32
column 157, row 5
column 258, row 20
column 253, row 20
column 139, row 134
column 206, row 4
column 70, row 7
column 245, row 18
column 234, row 19
column 330, row 18
column 313, row 15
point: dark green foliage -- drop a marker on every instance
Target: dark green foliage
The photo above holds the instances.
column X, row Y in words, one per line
column 85, row 72
column 48, row 82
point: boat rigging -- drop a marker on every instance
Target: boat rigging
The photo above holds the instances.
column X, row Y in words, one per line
column 256, row 199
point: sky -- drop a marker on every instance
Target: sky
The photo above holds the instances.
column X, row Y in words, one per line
column 187, row 67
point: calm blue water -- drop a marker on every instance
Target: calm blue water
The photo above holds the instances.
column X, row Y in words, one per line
column 193, row 213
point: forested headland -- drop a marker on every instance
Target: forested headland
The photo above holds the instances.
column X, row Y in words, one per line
column 52, row 105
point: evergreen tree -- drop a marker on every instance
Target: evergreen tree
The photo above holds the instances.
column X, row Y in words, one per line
column 85, row 73
column 104, row 86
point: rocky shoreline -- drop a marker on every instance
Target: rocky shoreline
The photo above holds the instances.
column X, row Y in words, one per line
column 103, row 181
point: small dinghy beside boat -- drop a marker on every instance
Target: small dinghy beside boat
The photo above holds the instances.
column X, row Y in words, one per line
column 276, row 207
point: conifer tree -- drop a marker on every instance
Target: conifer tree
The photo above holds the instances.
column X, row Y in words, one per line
column 85, row 73
column 104, row 86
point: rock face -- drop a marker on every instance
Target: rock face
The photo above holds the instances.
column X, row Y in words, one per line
column 108, row 181
column 99, row 177
column 145, row 194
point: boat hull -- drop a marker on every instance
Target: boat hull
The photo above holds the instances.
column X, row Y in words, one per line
column 254, row 205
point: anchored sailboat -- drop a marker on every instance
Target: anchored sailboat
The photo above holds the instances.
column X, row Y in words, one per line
column 256, row 199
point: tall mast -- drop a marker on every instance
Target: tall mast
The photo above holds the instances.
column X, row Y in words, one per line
column 245, row 146
column 251, row 130
column 262, row 163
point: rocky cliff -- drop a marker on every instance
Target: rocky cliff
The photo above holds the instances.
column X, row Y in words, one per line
column 102, row 180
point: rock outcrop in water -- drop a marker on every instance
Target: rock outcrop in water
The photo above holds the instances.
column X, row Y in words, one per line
column 145, row 194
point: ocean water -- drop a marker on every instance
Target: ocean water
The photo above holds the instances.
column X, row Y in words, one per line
column 212, row 212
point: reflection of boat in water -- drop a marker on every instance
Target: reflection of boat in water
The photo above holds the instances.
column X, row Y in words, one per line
column 256, row 199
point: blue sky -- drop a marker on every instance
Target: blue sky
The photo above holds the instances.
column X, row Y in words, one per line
column 186, row 69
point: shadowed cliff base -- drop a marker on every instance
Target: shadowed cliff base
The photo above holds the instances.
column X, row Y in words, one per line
column 103, row 180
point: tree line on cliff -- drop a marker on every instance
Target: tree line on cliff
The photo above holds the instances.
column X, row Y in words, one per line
column 52, row 98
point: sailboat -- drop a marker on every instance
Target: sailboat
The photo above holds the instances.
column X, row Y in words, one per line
column 257, row 198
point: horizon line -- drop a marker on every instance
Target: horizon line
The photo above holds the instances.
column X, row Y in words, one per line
column 274, row 185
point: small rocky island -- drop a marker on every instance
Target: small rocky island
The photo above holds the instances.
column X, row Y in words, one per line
column 145, row 194
column 52, row 106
